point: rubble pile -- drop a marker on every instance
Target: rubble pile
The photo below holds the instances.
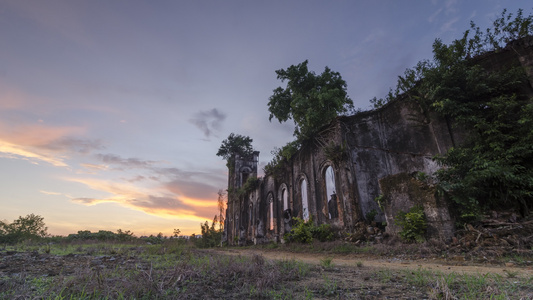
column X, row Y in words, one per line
column 499, row 234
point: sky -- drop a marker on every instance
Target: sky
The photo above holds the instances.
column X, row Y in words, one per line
column 112, row 111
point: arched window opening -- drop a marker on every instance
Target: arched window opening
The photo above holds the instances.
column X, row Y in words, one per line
column 305, row 203
column 245, row 173
column 329, row 177
column 285, row 197
column 270, row 212
column 251, row 214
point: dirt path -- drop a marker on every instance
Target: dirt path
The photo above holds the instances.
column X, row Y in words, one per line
column 456, row 265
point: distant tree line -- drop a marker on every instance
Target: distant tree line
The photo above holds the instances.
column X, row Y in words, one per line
column 32, row 227
column 103, row 235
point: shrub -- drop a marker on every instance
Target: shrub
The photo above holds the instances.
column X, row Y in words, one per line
column 301, row 231
column 323, row 232
column 306, row 231
column 371, row 215
column 413, row 224
column 211, row 236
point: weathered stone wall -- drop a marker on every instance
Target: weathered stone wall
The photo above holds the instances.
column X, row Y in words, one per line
column 377, row 153
column 401, row 192
column 395, row 139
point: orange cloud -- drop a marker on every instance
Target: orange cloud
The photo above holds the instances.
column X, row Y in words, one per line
column 51, row 193
column 199, row 202
column 15, row 151
column 94, row 167
column 36, row 142
column 138, row 198
column 37, row 135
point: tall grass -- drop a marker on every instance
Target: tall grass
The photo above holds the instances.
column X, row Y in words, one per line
column 131, row 271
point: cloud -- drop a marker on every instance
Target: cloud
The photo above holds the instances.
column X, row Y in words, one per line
column 129, row 163
column 36, row 135
column 448, row 26
column 94, row 167
column 39, row 142
column 10, row 150
column 434, row 16
column 208, row 121
column 88, row 201
column 172, row 173
column 148, row 200
column 192, row 189
column 74, row 144
column 136, row 178
column 451, row 5
column 51, row 193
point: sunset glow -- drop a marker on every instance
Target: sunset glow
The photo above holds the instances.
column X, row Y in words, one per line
column 111, row 112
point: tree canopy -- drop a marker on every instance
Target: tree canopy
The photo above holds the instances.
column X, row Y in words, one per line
column 311, row 100
column 30, row 226
column 235, row 144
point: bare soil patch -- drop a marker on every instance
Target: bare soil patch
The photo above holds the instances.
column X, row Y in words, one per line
column 456, row 264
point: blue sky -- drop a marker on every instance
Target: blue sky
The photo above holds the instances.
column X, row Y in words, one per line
column 111, row 112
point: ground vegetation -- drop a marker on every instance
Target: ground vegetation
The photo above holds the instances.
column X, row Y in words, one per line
column 485, row 262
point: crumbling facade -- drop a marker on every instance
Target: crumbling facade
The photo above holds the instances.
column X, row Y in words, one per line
column 336, row 178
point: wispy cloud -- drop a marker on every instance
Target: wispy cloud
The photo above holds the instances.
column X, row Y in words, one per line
column 434, row 16
column 10, row 150
column 193, row 189
column 113, row 159
column 448, row 26
column 39, row 142
column 451, row 5
column 138, row 198
column 50, row 193
column 94, row 167
column 208, row 121
column 36, row 135
column 74, row 144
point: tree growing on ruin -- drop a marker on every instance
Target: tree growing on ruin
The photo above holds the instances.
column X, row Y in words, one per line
column 493, row 166
column 310, row 100
column 235, row 144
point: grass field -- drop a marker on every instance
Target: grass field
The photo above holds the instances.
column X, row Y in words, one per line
column 177, row 270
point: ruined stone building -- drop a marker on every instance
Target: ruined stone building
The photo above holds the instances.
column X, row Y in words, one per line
column 336, row 178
